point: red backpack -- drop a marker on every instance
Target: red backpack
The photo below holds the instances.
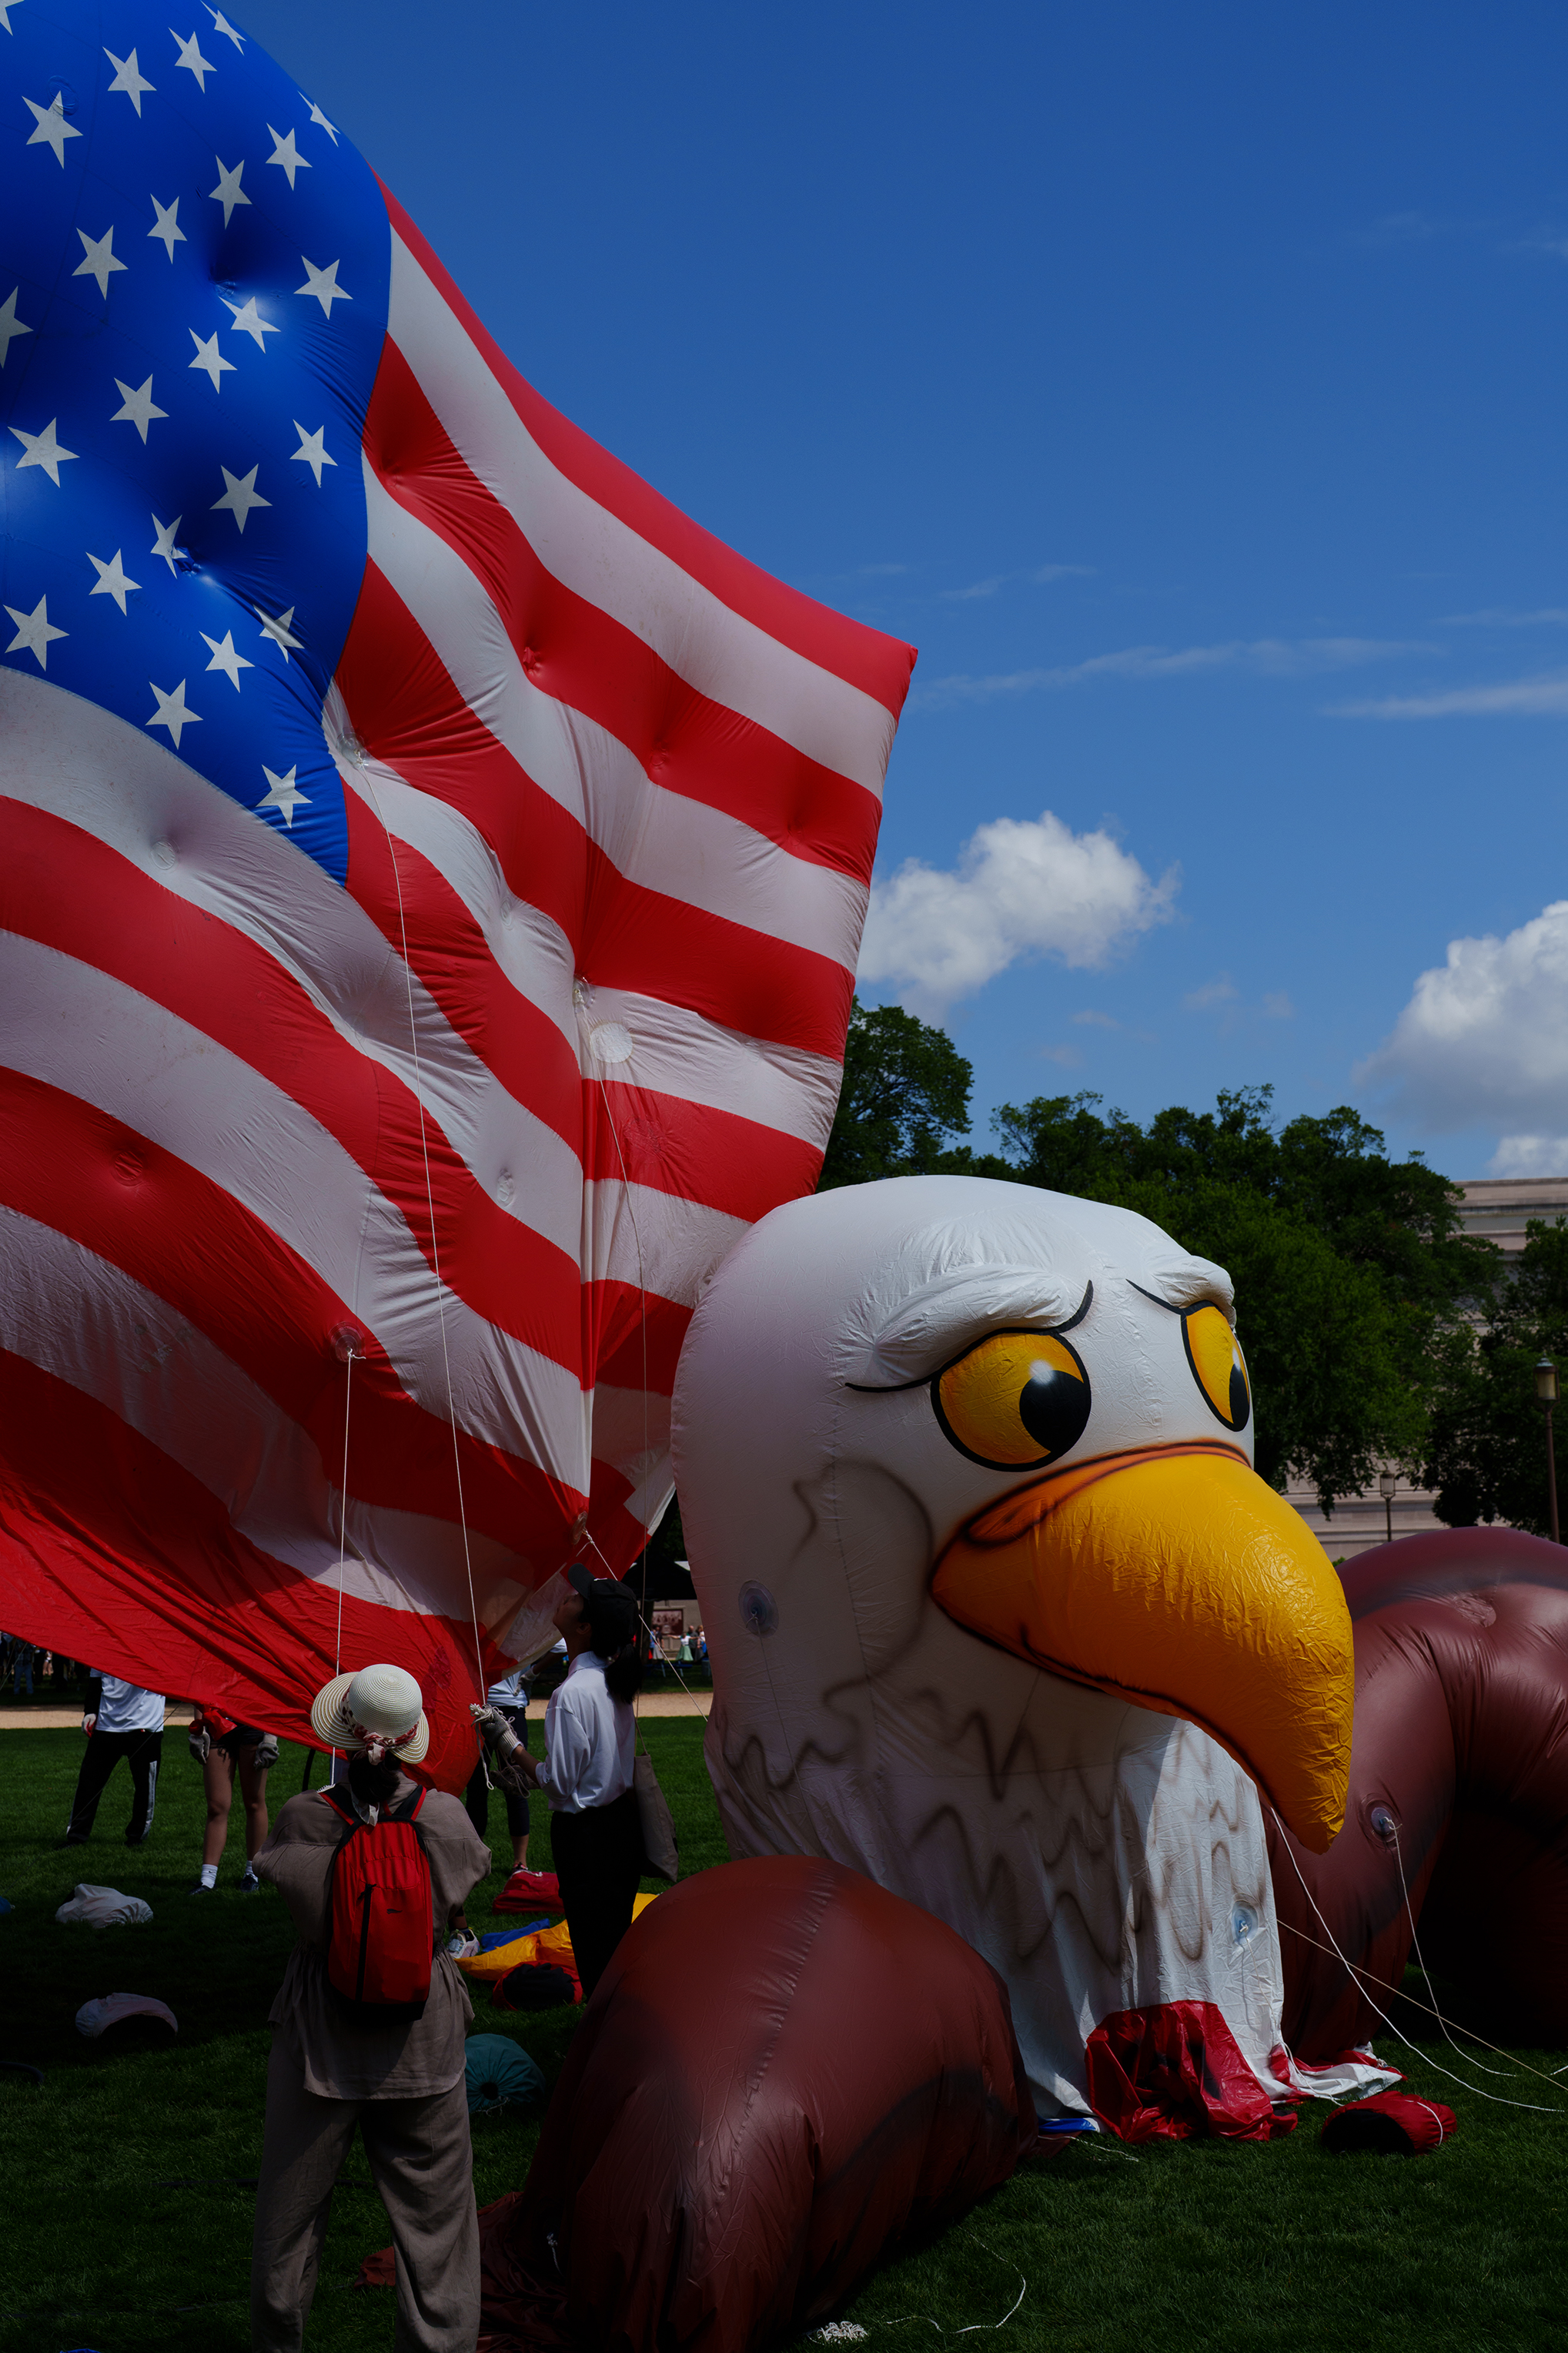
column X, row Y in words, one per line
column 379, row 1932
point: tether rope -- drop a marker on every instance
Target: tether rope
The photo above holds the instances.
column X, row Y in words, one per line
column 1534, row 2107
column 435, row 1240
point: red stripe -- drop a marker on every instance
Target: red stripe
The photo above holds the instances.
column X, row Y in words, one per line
column 689, row 1150
column 612, row 1336
column 581, row 655
column 112, row 1552
column 408, row 713
column 72, row 1168
column 879, row 666
column 450, row 956
column 695, row 1153
column 69, row 890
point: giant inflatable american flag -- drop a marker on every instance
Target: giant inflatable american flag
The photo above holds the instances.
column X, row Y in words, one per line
column 433, row 875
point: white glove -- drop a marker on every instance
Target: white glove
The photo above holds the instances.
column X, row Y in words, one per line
column 266, row 1752
column 200, row 1742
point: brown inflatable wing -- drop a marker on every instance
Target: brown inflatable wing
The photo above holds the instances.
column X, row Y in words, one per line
column 1458, row 1772
column 783, row 2071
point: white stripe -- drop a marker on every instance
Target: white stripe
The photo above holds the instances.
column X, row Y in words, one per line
column 654, row 1242
column 90, row 1324
column 63, row 754
column 600, row 559
column 73, row 1027
column 82, row 764
column 676, row 1051
column 658, row 840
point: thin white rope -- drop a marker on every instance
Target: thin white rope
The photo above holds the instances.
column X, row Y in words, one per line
column 434, row 1242
column 343, row 1509
column 642, row 1317
column 906, row 2319
column 1521, row 2066
column 1534, row 2107
column 1421, row 1959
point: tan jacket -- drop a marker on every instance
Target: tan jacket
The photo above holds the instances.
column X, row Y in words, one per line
column 339, row 2060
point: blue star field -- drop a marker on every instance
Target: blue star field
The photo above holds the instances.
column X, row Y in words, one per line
column 197, row 270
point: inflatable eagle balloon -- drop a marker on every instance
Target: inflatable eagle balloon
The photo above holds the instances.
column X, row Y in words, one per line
column 1001, row 1614
column 433, row 875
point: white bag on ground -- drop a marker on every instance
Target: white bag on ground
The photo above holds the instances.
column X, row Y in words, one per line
column 104, row 1907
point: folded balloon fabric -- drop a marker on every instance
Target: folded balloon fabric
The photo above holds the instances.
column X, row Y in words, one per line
column 109, row 2008
column 1391, row 2123
column 499, row 2074
column 549, row 1945
column 103, row 1907
column 525, row 1891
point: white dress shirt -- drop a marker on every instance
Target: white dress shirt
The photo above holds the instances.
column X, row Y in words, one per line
column 126, row 1708
column 589, row 1740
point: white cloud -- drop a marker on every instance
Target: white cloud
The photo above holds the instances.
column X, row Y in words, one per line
column 1530, row 1156
column 1068, row 1056
column 1041, row 577
column 1091, row 1020
column 1544, row 696
column 1022, row 887
column 1264, row 657
column 1497, row 616
column 1218, row 991
column 976, row 588
column 1484, row 1039
column 1277, row 1006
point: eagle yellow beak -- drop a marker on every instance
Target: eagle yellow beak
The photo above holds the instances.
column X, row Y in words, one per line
column 1174, row 1577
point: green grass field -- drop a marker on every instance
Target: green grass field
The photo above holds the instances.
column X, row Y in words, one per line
column 126, row 2230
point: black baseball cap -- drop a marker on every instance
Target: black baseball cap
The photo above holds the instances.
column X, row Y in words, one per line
column 611, row 1609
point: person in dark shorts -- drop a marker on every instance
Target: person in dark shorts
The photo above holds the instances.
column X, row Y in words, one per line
column 128, row 1722
column 223, row 1750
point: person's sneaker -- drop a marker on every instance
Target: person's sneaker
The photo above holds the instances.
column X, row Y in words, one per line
column 201, row 1888
column 250, row 1885
column 75, row 1837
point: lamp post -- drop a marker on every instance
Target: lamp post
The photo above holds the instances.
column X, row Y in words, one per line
column 1546, row 1390
column 1387, row 1483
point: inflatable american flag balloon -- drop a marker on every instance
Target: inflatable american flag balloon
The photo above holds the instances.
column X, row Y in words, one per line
column 433, row 875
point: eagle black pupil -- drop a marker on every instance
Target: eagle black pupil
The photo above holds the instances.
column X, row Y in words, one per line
column 1240, row 1403
column 1054, row 1408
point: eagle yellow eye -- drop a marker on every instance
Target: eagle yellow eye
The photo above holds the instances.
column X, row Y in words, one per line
column 1218, row 1366
column 1015, row 1401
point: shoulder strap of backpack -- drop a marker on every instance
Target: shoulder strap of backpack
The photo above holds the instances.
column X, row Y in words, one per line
column 410, row 1809
column 345, row 1813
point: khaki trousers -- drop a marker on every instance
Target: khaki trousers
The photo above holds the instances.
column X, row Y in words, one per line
column 421, row 2161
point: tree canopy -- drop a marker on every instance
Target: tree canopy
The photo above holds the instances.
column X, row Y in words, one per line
column 1358, row 1292
column 905, row 1096
column 1485, row 1453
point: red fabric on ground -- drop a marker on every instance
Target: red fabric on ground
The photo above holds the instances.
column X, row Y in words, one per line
column 1394, row 2123
column 1174, row 2070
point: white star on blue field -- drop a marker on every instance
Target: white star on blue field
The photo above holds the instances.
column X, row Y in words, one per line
column 196, row 268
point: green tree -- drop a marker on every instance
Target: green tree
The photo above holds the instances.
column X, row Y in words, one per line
column 905, row 1096
column 1485, row 1453
column 1352, row 1274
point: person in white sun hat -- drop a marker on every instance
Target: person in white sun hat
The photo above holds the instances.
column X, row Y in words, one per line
column 369, row 2023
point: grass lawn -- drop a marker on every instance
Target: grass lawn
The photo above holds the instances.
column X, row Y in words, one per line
column 126, row 2230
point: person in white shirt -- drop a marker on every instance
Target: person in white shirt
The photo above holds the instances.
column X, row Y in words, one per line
column 128, row 1722
column 590, row 1737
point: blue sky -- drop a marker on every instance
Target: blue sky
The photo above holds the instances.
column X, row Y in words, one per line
column 1187, row 385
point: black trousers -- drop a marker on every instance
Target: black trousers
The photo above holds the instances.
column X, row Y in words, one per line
column 477, row 1796
column 141, row 1751
column 598, row 1861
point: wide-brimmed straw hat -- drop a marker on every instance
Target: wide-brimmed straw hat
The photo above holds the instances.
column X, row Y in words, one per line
column 380, row 1706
